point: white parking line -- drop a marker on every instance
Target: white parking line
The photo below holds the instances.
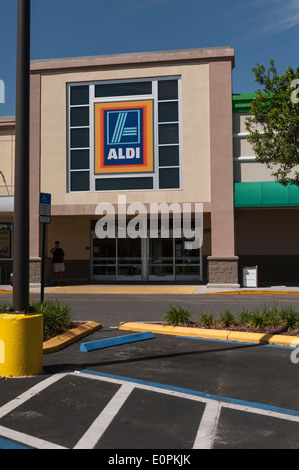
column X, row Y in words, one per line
column 208, row 426
column 11, row 405
column 31, row 441
column 99, row 426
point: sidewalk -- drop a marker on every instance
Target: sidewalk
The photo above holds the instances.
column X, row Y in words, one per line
column 162, row 289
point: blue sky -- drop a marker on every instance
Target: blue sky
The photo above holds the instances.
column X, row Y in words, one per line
column 258, row 30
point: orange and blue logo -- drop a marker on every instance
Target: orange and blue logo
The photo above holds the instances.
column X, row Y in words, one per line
column 124, row 137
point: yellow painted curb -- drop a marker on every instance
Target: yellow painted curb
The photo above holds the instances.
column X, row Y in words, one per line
column 253, row 292
column 226, row 335
column 175, row 330
column 61, row 341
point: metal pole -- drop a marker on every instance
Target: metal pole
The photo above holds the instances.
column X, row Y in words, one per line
column 21, row 195
column 42, row 282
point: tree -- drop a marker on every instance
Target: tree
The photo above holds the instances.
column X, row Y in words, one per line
column 274, row 124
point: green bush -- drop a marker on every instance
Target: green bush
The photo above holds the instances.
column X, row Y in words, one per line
column 177, row 316
column 227, row 318
column 290, row 318
column 206, row 319
column 56, row 316
column 274, row 318
column 4, row 307
column 258, row 319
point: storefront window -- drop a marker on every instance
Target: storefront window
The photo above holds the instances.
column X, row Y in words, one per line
column 5, row 241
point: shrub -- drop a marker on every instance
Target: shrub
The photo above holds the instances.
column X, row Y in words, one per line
column 258, row 319
column 4, row 307
column 274, row 318
column 289, row 317
column 56, row 316
column 245, row 317
column 227, row 318
column 177, row 316
column 206, row 319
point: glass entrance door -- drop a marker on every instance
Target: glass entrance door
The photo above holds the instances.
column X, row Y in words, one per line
column 151, row 259
column 116, row 259
column 161, row 259
column 129, row 259
column 103, row 258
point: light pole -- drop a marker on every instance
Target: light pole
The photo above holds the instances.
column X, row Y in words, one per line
column 21, row 195
column 21, row 333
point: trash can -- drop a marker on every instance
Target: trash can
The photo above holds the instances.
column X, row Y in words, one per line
column 250, row 276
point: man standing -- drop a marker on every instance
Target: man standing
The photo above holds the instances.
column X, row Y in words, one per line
column 58, row 262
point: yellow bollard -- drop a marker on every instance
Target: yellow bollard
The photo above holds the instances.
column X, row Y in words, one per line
column 21, row 344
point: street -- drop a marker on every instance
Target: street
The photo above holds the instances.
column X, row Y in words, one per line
column 111, row 309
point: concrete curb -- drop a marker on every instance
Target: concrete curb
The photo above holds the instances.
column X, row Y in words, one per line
column 61, row 341
column 224, row 335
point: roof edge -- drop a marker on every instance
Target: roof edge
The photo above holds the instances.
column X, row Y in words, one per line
column 137, row 58
column 7, row 122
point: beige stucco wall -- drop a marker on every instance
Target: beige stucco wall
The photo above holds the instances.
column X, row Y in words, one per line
column 251, row 171
column 7, row 151
column 246, row 169
column 73, row 234
column 195, row 129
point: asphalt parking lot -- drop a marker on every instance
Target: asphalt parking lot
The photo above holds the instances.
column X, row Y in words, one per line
column 168, row 392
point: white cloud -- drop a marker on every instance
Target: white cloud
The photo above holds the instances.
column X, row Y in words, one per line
column 277, row 15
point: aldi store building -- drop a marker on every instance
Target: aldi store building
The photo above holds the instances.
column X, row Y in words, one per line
column 153, row 129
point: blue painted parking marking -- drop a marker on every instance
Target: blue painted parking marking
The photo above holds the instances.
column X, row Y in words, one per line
column 118, row 340
column 196, row 393
column 9, row 445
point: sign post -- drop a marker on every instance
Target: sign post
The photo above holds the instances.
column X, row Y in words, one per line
column 44, row 218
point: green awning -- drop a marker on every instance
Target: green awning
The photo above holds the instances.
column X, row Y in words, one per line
column 266, row 194
column 241, row 102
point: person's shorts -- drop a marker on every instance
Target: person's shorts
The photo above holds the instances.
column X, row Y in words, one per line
column 58, row 267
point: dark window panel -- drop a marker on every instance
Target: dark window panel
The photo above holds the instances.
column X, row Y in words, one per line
column 80, row 181
column 168, row 90
column 168, row 134
column 121, row 184
column 168, row 111
column 104, row 270
column 123, row 89
column 79, row 159
column 79, row 95
column 169, row 178
column 79, row 138
column 80, row 116
column 169, row 156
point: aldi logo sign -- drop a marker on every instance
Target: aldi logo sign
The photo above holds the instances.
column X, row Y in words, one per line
column 124, row 137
